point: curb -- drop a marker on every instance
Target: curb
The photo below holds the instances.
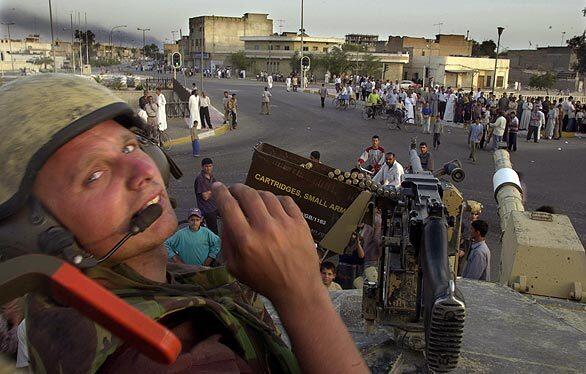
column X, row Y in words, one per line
column 203, row 135
column 217, row 131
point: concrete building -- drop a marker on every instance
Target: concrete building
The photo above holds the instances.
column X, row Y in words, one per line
column 273, row 53
column 217, row 37
column 361, row 39
column 442, row 45
column 21, row 53
column 468, row 73
column 556, row 60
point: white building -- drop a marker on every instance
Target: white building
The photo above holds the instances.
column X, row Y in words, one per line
column 468, row 73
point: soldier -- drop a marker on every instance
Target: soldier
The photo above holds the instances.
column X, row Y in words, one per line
column 83, row 171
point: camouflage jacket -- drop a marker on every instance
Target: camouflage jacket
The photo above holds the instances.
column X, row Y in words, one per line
column 61, row 340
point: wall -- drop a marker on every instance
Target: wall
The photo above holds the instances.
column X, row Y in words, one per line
column 221, row 35
column 464, row 72
column 547, row 59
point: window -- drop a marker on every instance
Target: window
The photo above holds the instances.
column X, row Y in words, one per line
column 256, row 47
column 500, row 81
column 305, row 49
column 270, row 47
column 277, row 47
column 423, row 53
column 286, row 48
column 325, row 49
column 314, row 48
column 488, row 81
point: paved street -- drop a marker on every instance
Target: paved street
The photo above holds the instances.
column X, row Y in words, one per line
column 298, row 124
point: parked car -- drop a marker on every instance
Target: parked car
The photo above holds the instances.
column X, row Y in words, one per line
column 405, row 84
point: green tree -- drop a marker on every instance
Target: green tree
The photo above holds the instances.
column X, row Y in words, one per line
column 370, row 66
column 89, row 37
column 543, row 81
column 336, row 61
column 349, row 47
column 44, row 60
column 486, row 48
column 152, row 50
column 240, row 61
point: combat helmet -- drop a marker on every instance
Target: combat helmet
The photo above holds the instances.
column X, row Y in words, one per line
column 30, row 134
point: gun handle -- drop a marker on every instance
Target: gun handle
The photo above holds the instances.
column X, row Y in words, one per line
column 70, row 287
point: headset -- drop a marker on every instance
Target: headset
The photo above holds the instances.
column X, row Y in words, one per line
column 34, row 230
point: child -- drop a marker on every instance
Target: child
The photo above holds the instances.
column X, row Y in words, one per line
column 328, row 274
column 476, row 131
column 426, row 111
column 194, row 139
column 438, row 128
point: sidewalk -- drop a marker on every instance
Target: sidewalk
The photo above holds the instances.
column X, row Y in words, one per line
column 219, row 128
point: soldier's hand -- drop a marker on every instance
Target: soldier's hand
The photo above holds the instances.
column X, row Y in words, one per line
column 267, row 243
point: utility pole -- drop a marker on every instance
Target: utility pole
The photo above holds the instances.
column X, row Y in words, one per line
column 439, row 27
column 72, row 41
column 87, row 52
column 112, row 40
column 496, row 60
column 143, row 43
column 8, row 24
column 301, row 60
column 52, row 38
column 201, row 41
column 80, row 39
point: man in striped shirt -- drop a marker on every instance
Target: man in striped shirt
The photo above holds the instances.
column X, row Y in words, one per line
column 373, row 157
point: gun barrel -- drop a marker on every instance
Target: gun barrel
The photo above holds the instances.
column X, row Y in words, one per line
column 507, row 187
column 445, row 311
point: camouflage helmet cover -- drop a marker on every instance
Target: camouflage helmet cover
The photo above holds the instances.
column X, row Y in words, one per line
column 41, row 113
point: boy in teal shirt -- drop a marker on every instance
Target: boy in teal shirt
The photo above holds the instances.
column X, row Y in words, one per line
column 193, row 245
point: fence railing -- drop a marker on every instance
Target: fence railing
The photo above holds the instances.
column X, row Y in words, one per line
column 164, row 83
column 179, row 90
column 177, row 109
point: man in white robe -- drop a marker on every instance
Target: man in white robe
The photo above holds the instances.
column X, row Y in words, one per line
column 410, row 115
column 450, row 102
column 270, row 81
column 162, row 114
column 194, row 110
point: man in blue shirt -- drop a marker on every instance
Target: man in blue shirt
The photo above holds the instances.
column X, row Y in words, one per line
column 478, row 261
column 193, row 245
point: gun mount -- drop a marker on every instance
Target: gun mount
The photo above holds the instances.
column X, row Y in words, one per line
column 541, row 252
column 414, row 288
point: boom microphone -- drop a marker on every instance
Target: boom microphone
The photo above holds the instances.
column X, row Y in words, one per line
column 140, row 222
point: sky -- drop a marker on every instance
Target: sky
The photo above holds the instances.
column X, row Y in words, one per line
column 527, row 23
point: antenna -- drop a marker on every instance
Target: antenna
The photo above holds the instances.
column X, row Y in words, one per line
column 280, row 25
column 439, row 27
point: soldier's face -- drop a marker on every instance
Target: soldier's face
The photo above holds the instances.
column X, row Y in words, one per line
column 96, row 183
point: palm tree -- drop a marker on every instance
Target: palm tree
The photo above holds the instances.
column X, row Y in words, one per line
column 44, row 60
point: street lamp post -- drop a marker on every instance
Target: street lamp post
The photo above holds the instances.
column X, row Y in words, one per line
column 112, row 39
column 496, row 60
column 302, row 30
column 143, row 43
column 8, row 24
column 52, row 38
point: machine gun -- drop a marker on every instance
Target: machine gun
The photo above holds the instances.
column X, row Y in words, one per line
column 416, row 290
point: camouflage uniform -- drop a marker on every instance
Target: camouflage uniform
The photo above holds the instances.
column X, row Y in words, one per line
column 62, row 340
column 226, row 319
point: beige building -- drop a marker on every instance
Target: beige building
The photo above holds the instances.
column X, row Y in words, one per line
column 468, row 73
column 21, row 53
column 442, row 45
column 217, row 37
column 273, row 53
